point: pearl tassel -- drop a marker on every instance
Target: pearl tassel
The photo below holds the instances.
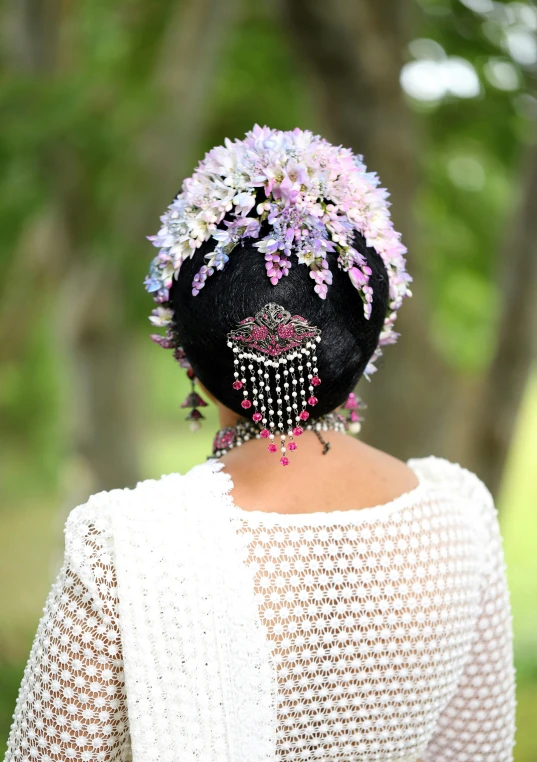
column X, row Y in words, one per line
column 275, row 364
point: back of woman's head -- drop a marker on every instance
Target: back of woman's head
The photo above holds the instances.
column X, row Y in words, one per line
column 242, row 288
column 281, row 218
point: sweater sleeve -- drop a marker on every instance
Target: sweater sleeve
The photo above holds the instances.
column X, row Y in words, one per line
column 478, row 725
column 71, row 703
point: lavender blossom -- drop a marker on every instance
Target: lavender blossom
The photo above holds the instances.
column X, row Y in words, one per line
column 316, row 197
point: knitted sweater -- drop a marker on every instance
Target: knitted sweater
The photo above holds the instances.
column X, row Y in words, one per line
column 182, row 627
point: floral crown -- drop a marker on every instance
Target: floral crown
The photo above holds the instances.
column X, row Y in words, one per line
column 312, row 195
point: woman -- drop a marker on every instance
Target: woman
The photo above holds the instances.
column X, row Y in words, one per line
column 301, row 595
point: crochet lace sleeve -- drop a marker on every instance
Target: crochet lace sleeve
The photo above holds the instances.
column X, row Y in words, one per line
column 479, row 722
column 71, row 703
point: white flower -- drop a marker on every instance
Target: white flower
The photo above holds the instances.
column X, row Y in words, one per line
column 306, row 257
column 264, row 244
column 200, row 229
column 161, row 316
column 244, row 202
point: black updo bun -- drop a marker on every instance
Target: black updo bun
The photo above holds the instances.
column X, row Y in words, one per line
column 242, row 288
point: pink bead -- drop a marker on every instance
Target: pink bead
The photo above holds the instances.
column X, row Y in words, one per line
column 246, row 404
column 304, row 415
column 237, row 384
column 292, row 446
column 257, row 417
column 265, row 433
column 272, row 447
column 312, row 401
column 297, row 431
column 315, row 380
column 284, row 461
column 259, row 332
column 286, row 331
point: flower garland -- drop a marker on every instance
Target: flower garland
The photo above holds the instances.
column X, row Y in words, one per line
column 313, row 195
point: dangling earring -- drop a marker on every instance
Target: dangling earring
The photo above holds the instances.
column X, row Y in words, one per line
column 354, row 420
column 193, row 399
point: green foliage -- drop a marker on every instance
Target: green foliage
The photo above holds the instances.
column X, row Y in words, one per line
column 471, row 160
column 78, row 133
column 260, row 81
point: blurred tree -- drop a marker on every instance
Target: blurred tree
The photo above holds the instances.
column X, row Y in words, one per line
column 478, row 219
column 94, row 78
column 425, row 398
column 356, row 52
column 503, row 387
column 107, row 105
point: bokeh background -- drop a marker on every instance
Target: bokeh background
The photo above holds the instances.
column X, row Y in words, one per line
column 105, row 107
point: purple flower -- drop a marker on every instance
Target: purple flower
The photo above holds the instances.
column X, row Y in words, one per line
column 357, row 277
column 317, row 196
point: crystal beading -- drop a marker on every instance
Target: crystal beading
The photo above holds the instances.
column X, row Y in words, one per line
column 245, row 429
column 274, row 346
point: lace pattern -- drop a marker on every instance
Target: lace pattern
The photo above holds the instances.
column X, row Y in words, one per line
column 72, row 701
column 379, row 630
column 388, row 630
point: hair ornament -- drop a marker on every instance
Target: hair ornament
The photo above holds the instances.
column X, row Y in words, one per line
column 354, row 420
column 245, row 429
column 275, row 359
column 302, row 198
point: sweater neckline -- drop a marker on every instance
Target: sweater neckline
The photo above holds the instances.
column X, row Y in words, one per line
column 348, row 515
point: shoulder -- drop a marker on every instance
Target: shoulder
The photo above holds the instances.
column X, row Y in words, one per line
column 446, row 473
column 92, row 528
column 458, row 483
column 102, row 509
column 476, row 502
column 144, row 501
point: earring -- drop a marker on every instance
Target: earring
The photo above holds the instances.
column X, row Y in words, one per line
column 193, row 399
column 354, row 420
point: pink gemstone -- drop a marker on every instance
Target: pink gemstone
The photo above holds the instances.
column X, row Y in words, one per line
column 256, row 417
column 315, row 380
column 237, row 384
column 284, row 461
column 313, row 401
column 304, row 415
column 292, row 446
column 265, row 433
column 246, row 404
column 259, row 332
column 297, row 431
column 272, row 447
column 286, row 331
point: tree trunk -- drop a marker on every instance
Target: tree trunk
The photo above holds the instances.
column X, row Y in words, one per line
column 95, row 343
column 499, row 396
column 107, row 443
column 355, row 52
column 191, row 49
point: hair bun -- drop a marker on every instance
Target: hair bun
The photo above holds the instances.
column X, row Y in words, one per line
column 300, row 199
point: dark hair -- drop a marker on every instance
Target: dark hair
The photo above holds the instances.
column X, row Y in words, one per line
column 242, row 288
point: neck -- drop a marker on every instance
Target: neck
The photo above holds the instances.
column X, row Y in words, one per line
column 228, row 417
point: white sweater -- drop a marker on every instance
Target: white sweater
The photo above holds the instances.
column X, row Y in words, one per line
column 184, row 628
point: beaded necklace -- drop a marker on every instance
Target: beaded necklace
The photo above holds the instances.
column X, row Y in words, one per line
column 233, row 436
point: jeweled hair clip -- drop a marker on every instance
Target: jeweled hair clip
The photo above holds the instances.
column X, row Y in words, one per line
column 276, row 371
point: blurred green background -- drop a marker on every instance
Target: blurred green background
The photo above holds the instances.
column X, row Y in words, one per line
column 106, row 106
